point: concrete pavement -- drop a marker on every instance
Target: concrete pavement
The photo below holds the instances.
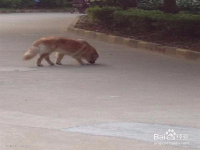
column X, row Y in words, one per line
column 126, row 85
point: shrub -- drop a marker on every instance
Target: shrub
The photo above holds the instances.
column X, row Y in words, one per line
column 10, row 3
column 144, row 20
column 47, row 3
column 55, row 3
column 122, row 3
column 151, row 4
column 184, row 24
column 30, row 3
column 137, row 19
column 189, row 5
column 104, row 14
column 26, row 4
column 183, row 5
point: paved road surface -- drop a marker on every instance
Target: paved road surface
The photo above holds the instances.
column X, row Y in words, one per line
column 39, row 107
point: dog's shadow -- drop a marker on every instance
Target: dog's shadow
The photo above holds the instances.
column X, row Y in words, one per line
column 71, row 66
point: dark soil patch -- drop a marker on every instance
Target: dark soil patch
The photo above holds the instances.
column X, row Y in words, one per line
column 185, row 42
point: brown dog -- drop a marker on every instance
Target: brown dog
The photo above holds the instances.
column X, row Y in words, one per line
column 78, row 49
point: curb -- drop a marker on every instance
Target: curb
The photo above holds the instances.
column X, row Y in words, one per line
column 30, row 11
column 158, row 48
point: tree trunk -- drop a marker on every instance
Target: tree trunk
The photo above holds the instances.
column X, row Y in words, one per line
column 170, row 6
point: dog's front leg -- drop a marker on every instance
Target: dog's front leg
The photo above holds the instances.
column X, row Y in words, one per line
column 80, row 61
column 59, row 57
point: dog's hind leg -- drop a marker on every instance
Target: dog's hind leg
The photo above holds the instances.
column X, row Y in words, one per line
column 39, row 60
column 59, row 57
column 48, row 60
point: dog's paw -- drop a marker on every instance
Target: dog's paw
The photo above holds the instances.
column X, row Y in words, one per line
column 52, row 64
column 39, row 65
column 82, row 63
column 58, row 63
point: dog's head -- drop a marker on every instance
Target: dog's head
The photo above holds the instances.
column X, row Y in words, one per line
column 91, row 54
column 93, row 58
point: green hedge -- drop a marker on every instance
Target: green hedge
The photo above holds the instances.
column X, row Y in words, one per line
column 31, row 3
column 144, row 20
column 103, row 14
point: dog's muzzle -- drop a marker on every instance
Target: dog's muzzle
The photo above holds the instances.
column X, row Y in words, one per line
column 92, row 62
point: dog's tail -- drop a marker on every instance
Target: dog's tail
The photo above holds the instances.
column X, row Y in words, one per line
column 32, row 52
